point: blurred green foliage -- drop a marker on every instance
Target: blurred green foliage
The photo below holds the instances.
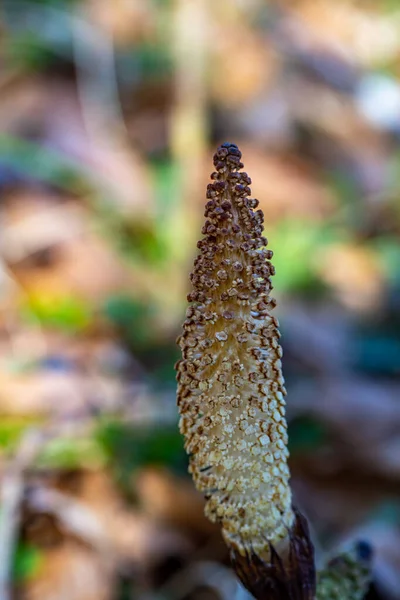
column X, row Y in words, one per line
column 11, row 430
column 306, row 435
column 34, row 161
column 388, row 250
column 68, row 313
column 27, row 562
column 296, row 245
column 376, row 354
column 147, row 61
column 29, row 52
column 72, row 453
column 134, row 322
column 140, row 242
column 132, row 446
column 132, row 318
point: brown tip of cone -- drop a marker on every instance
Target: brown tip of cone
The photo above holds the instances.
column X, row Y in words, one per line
column 281, row 578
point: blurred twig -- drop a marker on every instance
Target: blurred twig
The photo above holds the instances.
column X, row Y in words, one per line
column 76, row 517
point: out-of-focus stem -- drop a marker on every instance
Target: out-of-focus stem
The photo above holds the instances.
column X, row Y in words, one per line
column 188, row 119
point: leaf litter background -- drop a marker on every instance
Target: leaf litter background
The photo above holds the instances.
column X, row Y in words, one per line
column 109, row 115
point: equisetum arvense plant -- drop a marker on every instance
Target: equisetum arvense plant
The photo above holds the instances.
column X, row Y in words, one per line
column 231, row 393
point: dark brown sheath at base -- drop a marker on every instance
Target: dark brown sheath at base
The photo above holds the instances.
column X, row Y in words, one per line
column 280, row 578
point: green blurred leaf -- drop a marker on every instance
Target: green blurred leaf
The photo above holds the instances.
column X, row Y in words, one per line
column 72, row 453
column 130, row 447
column 172, row 211
column 306, row 435
column 159, row 360
column 65, row 313
column 140, row 241
column 11, row 430
column 27, row 562
column 132, row 317
column 376, row 354
column 390, row 6
column 388, row 250
column 41, row 163
column 28, row 51
column 296, row 245
column 345, row 188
